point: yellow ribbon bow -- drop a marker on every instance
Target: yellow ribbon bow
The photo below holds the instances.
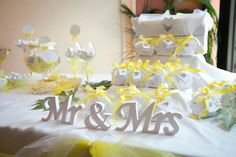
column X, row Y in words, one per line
column 206, row 95
column 209, row 88
column 155, row 67
column 144, row 67
column 135, row 66
column 212, row 89
column 160, row 94
column 154, row 41
column 127, row 93
column 75, row 37
column 27, row 35
column 95, row 93
column 182, row 42
column 173, row 68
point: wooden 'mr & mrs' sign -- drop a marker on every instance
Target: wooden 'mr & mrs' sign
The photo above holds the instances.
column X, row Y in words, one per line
column 98, row 120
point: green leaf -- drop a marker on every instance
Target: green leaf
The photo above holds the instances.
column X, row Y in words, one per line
column 226, row 117
column 107, row 84
column 170, row 6
column 227, row 114
column 154, row 10
column 126, row 11
column 39, row 105
column 210, row 9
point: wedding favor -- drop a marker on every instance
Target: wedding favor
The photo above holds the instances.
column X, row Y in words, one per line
column 130, row 94
column 207, row 100
column 120, row 74
column 78, row 55
column 167, row 45
column 91, row 96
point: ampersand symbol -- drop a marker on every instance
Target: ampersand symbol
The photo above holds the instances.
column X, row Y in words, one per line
column 97, row 117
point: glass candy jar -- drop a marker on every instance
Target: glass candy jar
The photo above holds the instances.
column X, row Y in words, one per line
column 40, row 57
column 3, row 55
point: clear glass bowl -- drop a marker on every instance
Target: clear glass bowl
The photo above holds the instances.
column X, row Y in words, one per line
column 3, row 54
column 41, row 59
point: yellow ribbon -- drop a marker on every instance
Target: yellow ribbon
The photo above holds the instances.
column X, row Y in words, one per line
column 85, row 68
column 155, row 67
column 121, row 66
column 208, row 88
column 95, row 93
column 183, row 42
column 139, row 65
column 229, row 89
column 205, row 99
column 28, row 34
column 173, row 68
column 75, row 37
column 154, row 41
column 160, row 94
column 212, row 89
column 145, row 67
column 127, row 93
column 216, row 84
column 133, row 67
column 74, row 66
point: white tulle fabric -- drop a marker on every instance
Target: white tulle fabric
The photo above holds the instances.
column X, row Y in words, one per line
column 195, row 138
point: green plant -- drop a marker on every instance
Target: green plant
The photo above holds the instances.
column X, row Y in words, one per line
column 39, row 105
column 227, row 114
column 107, row 84
column 212, row 35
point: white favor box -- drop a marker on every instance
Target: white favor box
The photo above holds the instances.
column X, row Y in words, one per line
column 214, row 104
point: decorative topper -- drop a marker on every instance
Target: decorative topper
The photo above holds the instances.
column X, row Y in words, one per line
column 28, row 30
column 75, row 30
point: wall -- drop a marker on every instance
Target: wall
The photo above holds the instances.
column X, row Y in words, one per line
column 100, row 22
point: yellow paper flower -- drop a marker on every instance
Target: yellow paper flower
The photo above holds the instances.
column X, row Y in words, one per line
column 66, row 85
column 56, row 84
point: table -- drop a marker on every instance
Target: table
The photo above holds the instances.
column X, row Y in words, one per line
column 18, row 121
column 195, row 138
